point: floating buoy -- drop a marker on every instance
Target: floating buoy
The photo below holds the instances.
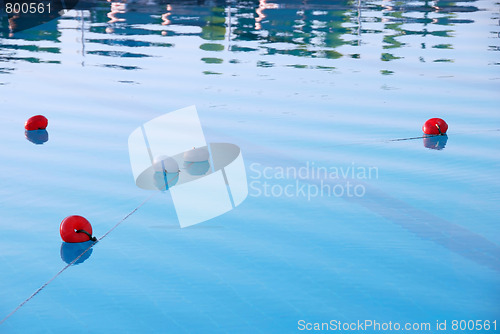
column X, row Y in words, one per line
column 76, row 229
column 165, row 164
column 37, row 122
column 435, row 126
column 199, row 154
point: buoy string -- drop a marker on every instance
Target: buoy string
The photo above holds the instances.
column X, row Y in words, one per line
column 45, row 284
column 428, row 136
column 376, row 141
column 73, row 262
column 130, row 214
column 91, row 238
column 412, row 138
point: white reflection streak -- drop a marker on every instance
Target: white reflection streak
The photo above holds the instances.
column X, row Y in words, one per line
column 387, row 8
column 260, row 12
column 165, row 16
column 116, row 8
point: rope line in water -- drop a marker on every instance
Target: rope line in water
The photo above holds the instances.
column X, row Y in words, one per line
column 130, row 214
column 441, row 134
column 73, row 262
column 412, row 138
column 377, row 141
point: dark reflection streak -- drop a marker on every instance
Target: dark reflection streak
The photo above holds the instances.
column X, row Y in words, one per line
column 83, row 37
column 359, row 24
column 131, row 43
column 119, row 54
column 121, row 67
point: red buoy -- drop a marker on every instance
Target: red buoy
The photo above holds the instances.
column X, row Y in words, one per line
column 76, row 229
column 435, row 126
column 37, row 122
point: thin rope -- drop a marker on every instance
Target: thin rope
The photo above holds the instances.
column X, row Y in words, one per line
column 438, row 135
column 73, row 262
column 130, row 214
column 412, row 138
column 378, row 141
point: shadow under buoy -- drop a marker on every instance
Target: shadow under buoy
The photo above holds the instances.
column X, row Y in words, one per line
column 435, row 142
column 37, row 137
column 71, row 251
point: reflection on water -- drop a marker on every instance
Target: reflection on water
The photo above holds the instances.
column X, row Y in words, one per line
column 312, row 29
column 37, row 137
column 72, row 251
column 435, row 142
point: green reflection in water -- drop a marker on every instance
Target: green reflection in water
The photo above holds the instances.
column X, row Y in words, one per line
column 128, row 68
column 211, row 73
column 214, row 28
column 212, row 60
column 388, row 57
column 128, row 43
column 212, row 47
column 326, row 29
column 443, row 46
column 32, row 48
column 237, row 48
column 213, row 33
column 325, row 68
column 123, row 54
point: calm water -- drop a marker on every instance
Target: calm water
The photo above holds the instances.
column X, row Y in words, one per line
column 302, row 87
